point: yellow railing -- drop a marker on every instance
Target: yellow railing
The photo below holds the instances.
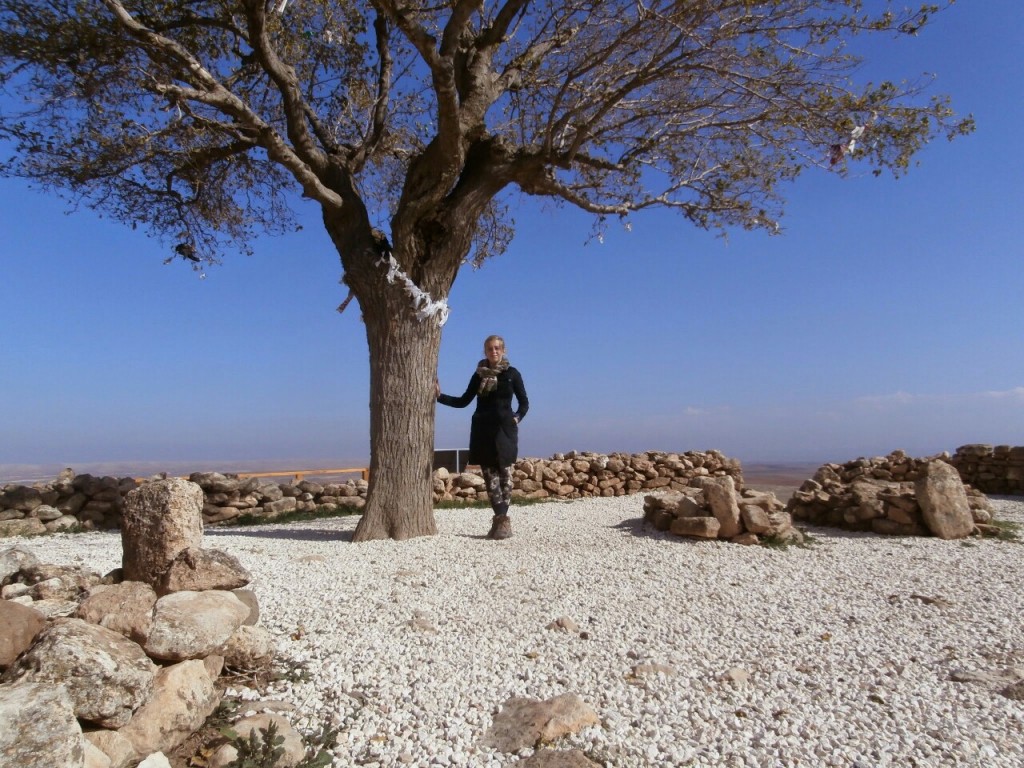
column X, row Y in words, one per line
column 297, row 474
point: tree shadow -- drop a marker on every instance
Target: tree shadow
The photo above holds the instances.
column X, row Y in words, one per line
column 307, row 534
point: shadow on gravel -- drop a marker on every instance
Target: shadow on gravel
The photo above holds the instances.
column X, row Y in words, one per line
column 282, row 533
column 639, row 527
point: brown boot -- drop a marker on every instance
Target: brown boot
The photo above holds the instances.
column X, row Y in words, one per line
column 501, row 527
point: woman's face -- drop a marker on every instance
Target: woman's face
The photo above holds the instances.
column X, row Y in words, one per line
column 493, row 351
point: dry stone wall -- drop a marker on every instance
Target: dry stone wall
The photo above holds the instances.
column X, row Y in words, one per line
column 894, row 494
column 98, row 502
column 997, row 470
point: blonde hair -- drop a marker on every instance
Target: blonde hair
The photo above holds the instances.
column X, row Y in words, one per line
column 494, row 337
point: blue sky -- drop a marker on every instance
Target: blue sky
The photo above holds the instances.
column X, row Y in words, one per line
column 887, row 315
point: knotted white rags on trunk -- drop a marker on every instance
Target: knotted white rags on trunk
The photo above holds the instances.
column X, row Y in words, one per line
column 422, row 302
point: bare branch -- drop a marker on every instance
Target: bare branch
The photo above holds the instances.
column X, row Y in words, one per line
column 209, row 91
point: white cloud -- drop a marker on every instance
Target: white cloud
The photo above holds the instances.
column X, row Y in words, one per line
column 945, row 400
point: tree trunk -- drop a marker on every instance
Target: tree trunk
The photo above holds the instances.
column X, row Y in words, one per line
column 403, row 369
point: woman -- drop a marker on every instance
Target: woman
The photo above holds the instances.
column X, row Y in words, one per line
column 494, row 435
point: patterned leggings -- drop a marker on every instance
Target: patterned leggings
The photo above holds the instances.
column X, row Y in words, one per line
column 499, row 487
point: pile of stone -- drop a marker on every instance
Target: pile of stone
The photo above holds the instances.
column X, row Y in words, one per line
column 88, row 502
column 711, row 508
column 895, row 495
column 997, row 470
column 107, row 671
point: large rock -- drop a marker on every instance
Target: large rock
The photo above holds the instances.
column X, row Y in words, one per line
column 248, row 648
column 115, row 746
column 159, row 520
column 58, row 582
column 106, row 675
column 522, row 723
column 198, row 570
column 12, row 560
column 248, row 597
column 281, row 507
column 126, row 608
column 19, row 625
column 700, row 527
column 96, row 757
column 190, row 625
column 183, row 696
column 46, row 513
column 28, row 526
column 755, row 518
column 38, row 728
column 720, row 493
column 943, row 501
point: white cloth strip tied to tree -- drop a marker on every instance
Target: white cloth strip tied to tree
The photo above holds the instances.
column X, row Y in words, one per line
column 422, row 302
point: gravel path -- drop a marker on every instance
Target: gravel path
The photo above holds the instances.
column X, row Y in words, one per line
column 849, row 643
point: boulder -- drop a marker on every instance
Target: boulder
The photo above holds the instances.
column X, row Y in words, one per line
column 755, row 518
column 159, row 520
column 190, row 625
column 95, row 757
column 248, row 648
column 116, row 747
column 523, row 723
column 28, row 526
column 107, row 676
column 248, row 597
column 197, row 570
column 701, row 527
column 720, row 493
column 46, row 513
column 156, row 760
column 282, row 506
column 39, row 727
column 19, row 626
column 126, row 608
column 183, row 696
column 943, row 500
column 12, row 560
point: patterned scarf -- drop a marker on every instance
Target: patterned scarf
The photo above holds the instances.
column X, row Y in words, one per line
column 489, row 376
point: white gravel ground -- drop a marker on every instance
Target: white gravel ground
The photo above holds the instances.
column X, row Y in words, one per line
column 849, row 643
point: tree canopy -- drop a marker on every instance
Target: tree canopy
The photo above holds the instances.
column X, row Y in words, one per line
column 196, row 119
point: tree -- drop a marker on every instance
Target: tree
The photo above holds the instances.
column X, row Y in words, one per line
column 408, row 123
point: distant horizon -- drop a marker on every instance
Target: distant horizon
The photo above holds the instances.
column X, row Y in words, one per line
column 44, row 471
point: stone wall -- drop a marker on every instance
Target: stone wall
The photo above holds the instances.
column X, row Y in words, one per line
column 97, row 502
column 887, row 495
column 998, row 469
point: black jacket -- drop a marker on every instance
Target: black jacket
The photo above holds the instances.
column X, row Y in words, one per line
column 494, row 434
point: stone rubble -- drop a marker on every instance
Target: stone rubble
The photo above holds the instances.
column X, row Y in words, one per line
column 894, row 495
